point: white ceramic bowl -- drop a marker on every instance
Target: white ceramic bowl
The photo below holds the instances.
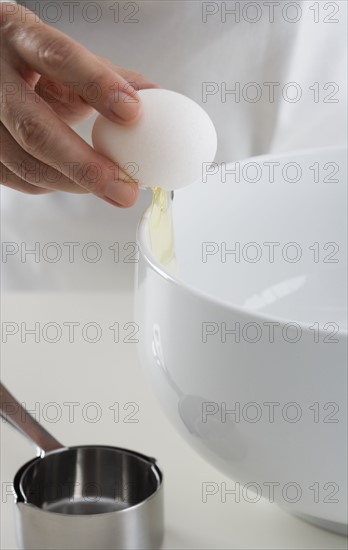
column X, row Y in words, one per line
column 283, row 371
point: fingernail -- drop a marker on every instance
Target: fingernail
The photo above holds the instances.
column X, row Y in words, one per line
column 125, row 107
column 121, row 192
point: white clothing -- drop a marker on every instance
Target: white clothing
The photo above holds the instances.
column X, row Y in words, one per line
column 192, row 47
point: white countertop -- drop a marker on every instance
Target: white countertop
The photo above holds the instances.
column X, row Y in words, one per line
column 46, row 375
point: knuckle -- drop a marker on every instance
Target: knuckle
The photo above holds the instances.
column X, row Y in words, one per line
column 55, row 53
column 33, row 135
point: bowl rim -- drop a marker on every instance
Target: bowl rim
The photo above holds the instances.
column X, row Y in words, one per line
column 142, row 239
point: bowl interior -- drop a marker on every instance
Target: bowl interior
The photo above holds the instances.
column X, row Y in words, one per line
column 269, row 235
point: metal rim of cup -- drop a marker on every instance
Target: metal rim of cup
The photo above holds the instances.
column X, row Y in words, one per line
column 20, row 475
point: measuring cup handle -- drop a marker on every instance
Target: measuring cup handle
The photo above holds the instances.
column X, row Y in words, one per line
column 13, row 412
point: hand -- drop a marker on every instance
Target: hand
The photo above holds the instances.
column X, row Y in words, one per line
column 48, row 82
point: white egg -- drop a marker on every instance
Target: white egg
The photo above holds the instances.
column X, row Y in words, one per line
column 169, row 147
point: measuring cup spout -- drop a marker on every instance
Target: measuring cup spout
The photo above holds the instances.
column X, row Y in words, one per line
column 16, row 415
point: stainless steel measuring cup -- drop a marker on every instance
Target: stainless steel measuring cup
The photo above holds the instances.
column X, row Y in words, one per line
column 85, row 497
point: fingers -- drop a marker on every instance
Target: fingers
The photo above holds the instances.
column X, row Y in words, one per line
column 30, row 170
column 51, row 53
column 137, row 80
column 38, row 131
column 70, row 107
column 9, row 179
column 70, row 82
